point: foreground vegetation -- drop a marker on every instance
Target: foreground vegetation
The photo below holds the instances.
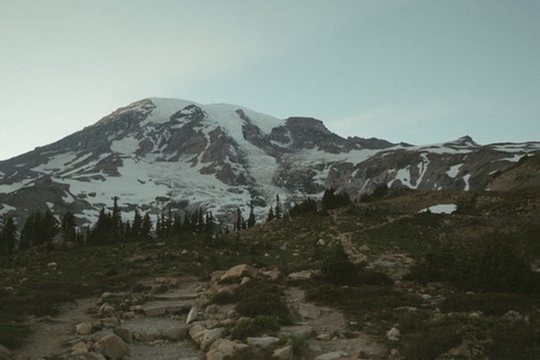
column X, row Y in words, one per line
column 467, row 292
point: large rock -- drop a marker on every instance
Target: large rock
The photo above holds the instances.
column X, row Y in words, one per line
column 222, row 348
column 125, row 334
column 175, row 333
column 238, row 272
column 113, row 347
column 211, row 336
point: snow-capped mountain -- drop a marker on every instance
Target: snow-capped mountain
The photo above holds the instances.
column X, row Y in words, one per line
column 159, row 154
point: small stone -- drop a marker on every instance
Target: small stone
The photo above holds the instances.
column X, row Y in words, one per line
column 285, row 353
column 84, row 328
column 192, row 315
column 79, row 348
column 332, row 355
column 393, row 334
column 264, row 341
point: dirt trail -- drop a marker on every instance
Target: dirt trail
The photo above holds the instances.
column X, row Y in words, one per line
column 51, row 335
column 330, row 326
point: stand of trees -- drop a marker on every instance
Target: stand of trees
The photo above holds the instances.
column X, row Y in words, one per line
column 40, row 229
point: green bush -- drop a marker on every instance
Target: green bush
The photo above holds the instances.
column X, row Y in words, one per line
column 261, row 298
column 432, row 343
column 495, row 304
column 13, row 336
column 491, row 264
column 360, row 300
column 517, row 340
column 259, row 325
column 338, row 269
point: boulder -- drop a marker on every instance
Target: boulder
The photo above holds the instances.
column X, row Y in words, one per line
column 222, row 348
column 125, row 334
column 175, row 333
column 149, row 335
column 113, row 347
column 237, row 272
column 210, row 336
column 197, row 331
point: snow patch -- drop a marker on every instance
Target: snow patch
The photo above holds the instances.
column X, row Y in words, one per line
column 454, row 170
column 466, row 179
column 440, row 209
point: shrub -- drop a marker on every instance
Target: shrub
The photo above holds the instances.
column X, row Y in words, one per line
column 13, row 335
column 338, row 269
column 261, row 298
column 430, row 344
column 495, row 304
column 491, row 263
column 253, row 327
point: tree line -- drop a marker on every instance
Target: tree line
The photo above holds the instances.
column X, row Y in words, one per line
column 43, row 228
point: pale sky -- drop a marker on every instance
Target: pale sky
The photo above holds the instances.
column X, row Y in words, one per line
column 418, row 71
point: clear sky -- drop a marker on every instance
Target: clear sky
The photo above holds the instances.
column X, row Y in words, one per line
column 418, row 71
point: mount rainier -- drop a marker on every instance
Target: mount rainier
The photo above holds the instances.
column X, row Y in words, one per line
column 158, row 154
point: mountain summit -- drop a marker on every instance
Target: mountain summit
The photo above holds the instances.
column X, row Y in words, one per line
column 158, row 154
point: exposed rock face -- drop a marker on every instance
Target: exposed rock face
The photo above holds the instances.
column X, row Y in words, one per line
column 160, row 154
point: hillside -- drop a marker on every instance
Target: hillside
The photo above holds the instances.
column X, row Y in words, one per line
column 400, row 301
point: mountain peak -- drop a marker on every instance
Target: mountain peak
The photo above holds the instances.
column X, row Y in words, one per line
column 160, row 154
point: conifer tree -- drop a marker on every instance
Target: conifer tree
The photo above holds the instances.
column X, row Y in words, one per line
column 239, row 220
column 68, row 226
column 279, row 211
column 136, row 227
column 146, row 227
column 8, row 236
column 271, row 215
column 251, row 219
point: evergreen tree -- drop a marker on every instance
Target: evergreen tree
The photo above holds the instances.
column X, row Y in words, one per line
column 308, row 206
column 146, row 227
column 279, row 211
column 39, row 229
column 251, row 219
column 8, row 237
column 68, row 226
column 136, row 229
column 239, row 220
column 271, row 215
